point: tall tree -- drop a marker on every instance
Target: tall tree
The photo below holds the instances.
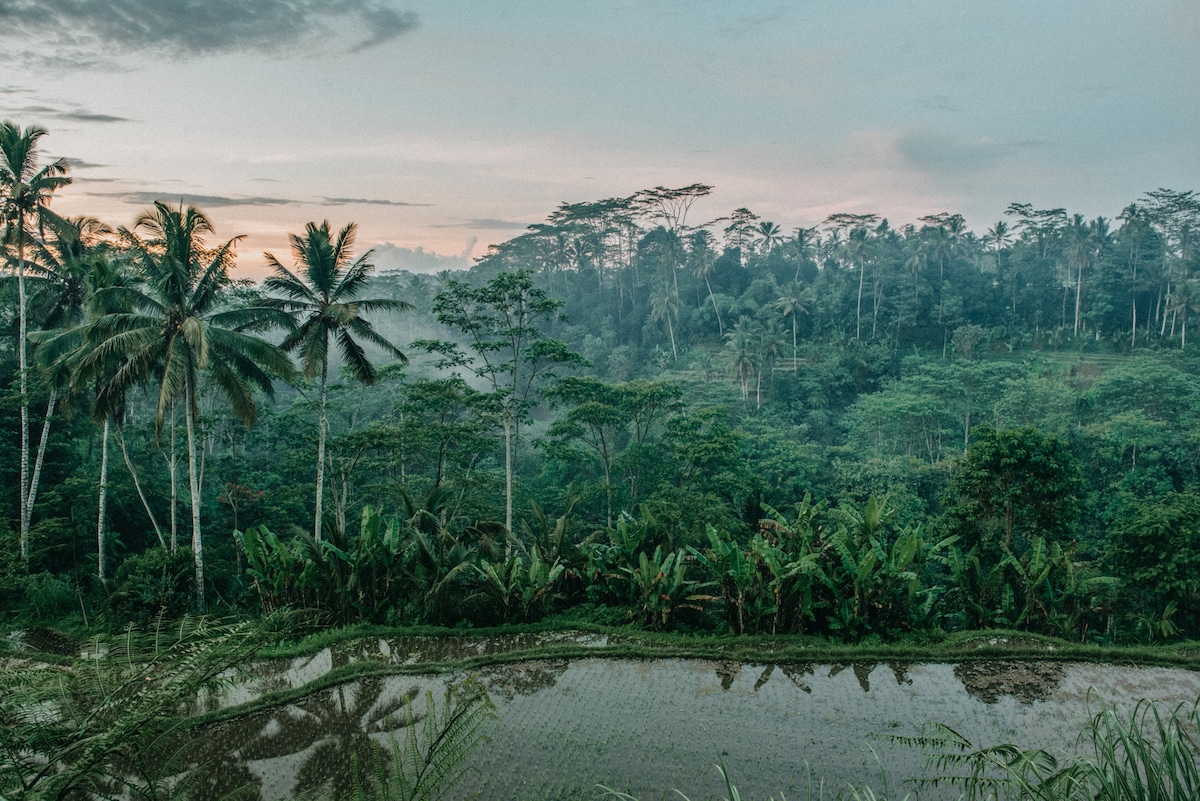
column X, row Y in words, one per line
column 326, row 305
column 500, row 323
column 792, row 301
column 182, row 326
column 67, row 269
column 25, row 192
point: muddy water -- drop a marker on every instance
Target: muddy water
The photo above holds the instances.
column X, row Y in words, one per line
column 649, row 726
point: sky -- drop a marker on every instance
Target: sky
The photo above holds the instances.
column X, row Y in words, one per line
column 443, row 126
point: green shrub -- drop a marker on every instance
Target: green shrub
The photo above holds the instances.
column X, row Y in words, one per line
column 153, row 583
column 48, row 598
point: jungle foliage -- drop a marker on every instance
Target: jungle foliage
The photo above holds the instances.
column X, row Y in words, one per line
column 851, row 429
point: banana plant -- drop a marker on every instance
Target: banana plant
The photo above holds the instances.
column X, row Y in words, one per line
column 659, row 588
column 522, row 583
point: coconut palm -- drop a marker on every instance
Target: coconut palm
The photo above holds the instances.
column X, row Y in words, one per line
column 68, row 268
column 767, row 235
column 325, row 305
column 25, row 191
column 703, row 263
column 1184, row 301
column 178, row 326
column 793, row 300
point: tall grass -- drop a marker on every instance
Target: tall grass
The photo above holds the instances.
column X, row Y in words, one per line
column 1143, row 754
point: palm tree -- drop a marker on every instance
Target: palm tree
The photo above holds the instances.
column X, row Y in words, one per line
column 178, row 326
column 767, row 236
column 703, row 263
column 85, row 272
column 792, row 301
column 742, row 353
column 67, row 269
column 857, row 250
column 25, row 191
column 1184, row 300
column 804, row 243
column 327, row 305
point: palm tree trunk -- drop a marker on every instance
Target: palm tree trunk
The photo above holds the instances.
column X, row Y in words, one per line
column 39, row 460
column 173, row 467
column 858, row 325
column 795, row 353
column 716, row 311
column 137, row 485
column 189, row 416
column 322, row 426
column 24, row 380
column 103, row 504
column 1078, row 296
column 508, row 475
column 1133, row 328
column 671, row 331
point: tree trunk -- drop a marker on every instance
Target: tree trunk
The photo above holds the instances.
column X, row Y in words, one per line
column 1078, row 296
column 189, row 416
column 322, row 426
column 508, row 475
column 716, row 311
column 103, row 504
column 173, row 467
column 22, row 367
column 795, row 353
column 39, row 460
column 858, row 323
column 671, row 331
column 137, row 485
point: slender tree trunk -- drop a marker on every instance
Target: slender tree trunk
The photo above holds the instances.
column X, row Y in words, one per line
column 24, row 387
column 173, row 466
column 103, row 504
column 322, row 427
column 858, row 325
column 189, row 416
column 716, row 311
column 1078, row 296
column 137, row 485
column 795, row 353
column 1133, row 328
column 39, row 460
column 508, row 474
column 671, row 331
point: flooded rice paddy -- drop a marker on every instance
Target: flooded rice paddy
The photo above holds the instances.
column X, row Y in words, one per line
column 647, row 726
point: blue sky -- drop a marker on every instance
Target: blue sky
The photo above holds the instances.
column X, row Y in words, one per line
column 450, row 125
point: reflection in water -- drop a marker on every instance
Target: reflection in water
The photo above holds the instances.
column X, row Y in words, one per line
column 521, row 678
column 331, row 732
column 1025, row 681
column 727, row 672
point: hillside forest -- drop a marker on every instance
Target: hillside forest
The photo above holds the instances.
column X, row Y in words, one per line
column 624, row 415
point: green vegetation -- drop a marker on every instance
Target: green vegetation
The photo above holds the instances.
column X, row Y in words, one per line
column 852, row 431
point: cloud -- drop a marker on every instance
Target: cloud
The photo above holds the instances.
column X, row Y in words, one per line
column 79, row 31
column 362, row 201
column 937, row 154
column 76, row 114
column 934, row 153
column 484, row 224
column 209, row 201
column 91, row 116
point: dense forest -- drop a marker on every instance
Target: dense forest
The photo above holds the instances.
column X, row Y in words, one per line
column 623, row 415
